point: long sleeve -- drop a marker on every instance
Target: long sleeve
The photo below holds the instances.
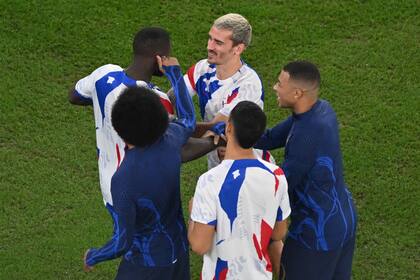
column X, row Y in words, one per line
column 184, row 104
column 123, row 213
column 275, row 137
column 299, row 154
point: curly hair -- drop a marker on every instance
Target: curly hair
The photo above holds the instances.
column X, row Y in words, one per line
column 139, row 117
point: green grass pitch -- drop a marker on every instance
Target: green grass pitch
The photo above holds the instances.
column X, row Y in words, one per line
column 50, row 203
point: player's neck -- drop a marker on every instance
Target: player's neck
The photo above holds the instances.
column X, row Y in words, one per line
column 140, row 71
column 304, row 106
column 234, row 152
column 227, row 70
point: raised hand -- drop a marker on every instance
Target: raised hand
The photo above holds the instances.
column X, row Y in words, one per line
column 166, row 61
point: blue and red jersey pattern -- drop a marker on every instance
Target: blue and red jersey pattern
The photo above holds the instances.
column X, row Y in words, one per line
column 102, row 87
column 216, row 96
column 149, row 229
column 242, row 199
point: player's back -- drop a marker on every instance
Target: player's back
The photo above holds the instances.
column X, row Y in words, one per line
column 250, row 194
column 152, row 177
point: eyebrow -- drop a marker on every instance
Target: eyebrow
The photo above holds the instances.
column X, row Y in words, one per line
column 217, row 41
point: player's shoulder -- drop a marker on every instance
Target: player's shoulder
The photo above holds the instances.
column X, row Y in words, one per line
column 324, row 118
column 272, row 167
column 106, row 69
column 203, row 66
column 249, row 75
column 217, row 174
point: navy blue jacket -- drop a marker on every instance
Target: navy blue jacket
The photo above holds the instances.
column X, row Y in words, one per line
column 323, row 214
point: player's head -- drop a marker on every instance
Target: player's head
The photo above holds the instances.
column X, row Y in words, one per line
column 149, row 42
column 298, row 80
column 152, row 41
column 139, row 117
column 246, row 124
column 228, row 38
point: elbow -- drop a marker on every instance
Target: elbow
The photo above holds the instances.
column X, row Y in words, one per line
column 198, row 247
column 124, row 248
column 75, row 99
column 72, row 98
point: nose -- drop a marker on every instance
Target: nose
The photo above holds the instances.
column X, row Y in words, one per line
column 210, row 44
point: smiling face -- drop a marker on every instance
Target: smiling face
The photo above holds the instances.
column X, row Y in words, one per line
column 220, row 48
column 286, row 91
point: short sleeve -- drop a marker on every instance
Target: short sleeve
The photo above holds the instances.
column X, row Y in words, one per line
column 86, row 86
column 251, row 92
column 189, row 81
column 284, row 204
column 204, row 203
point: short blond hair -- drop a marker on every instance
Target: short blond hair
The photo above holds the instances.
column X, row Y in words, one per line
column 240, row 27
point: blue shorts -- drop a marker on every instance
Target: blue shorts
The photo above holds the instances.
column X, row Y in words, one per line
column 179, row 270
column 299, row 262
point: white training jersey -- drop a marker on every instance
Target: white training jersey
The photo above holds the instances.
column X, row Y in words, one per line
column 243, row 199
column 221, row 96
column 103, row 87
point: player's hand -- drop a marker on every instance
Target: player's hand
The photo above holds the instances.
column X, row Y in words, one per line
column 166, row 61
column 275, row 249
column 86, row 268
column 218, row 140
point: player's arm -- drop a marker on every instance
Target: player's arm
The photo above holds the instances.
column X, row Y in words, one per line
column 302, row 150
column 76, row 98
column 200, row 235
column 249, row 92
column 275, row 247
column 123, row 213
column 278, row 234
column 203, row 127
column 183, row 102
column 275, row 137
column 203, row 217
column 82, row 92
column 189, row 82
column 197, row 147
column 171, row 95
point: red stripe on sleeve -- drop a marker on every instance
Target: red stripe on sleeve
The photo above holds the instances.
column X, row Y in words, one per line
column 168, row 105
column 190, row 74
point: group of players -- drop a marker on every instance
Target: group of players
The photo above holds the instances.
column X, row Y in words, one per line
column 238, row 214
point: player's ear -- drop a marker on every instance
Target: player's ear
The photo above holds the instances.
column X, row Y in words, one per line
column 229, row 128
column 239, row 48
column 298, row 93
